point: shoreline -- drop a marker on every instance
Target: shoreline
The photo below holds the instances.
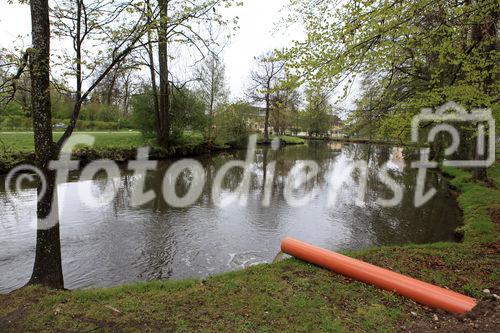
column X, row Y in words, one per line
column 290, row 294
column 86, row 155
column 125, row 154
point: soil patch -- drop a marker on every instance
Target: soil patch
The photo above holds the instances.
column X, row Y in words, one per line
column 484, row 317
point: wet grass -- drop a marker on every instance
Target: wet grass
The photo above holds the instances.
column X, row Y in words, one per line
column 281, row 297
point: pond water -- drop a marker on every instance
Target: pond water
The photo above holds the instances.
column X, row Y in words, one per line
column 120, row 244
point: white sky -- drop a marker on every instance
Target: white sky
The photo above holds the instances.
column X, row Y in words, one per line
column 256, row 35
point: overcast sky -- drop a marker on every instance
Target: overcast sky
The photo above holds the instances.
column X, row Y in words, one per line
column 256, row 35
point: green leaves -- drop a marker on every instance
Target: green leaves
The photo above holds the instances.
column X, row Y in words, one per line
column 417, row 53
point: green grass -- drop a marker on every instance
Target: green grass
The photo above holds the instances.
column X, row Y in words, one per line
column 23, row 141
column 292, row 140
column 289, row 140
column 287, row 296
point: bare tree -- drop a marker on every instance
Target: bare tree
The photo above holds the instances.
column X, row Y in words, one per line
column 12, row 71
column 88, row 21
column 116, row 87
column 188, row 25
column 163, row 117
column 212, row 87
column 265, row 78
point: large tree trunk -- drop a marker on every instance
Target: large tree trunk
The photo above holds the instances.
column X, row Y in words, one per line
column 47, row 269
column 164, row 96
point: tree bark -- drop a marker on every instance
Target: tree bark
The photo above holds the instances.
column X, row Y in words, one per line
column 266, row 120
column 152, row 72
column 47, row 269
column 163, row 134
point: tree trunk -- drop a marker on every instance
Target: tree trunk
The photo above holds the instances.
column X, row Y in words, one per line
column 486, row 31
column 47, row 269
column 266, row 120
column 213, row 72
column 164, row 96
column 126, row 96
column 154, row 87
column 111, row 88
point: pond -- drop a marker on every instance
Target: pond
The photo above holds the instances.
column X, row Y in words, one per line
column 119, row 244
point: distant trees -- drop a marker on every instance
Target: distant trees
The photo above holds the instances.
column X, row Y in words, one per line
column 418, row 53
column 87, row 23
column 178, row 23
column 265, row 77
column 318, row 113
column 232, row 122
column 285, row 104
column 117, row 87
column 188, row 112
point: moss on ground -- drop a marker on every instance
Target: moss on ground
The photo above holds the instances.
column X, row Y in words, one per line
column 285, row 296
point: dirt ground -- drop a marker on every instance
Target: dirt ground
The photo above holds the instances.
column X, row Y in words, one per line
column 484, row 317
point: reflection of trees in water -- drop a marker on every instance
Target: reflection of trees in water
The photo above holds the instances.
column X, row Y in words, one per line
column 368, row 225
column 47, row 268
column 403, row 223
column 159, row 246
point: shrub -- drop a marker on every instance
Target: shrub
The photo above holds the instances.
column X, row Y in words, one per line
column 188, row 113
column 10, row 123
column 231, row 123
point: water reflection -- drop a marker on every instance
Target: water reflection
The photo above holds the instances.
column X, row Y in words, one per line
column 118, row 243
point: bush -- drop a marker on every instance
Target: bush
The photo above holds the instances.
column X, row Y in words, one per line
column 10, row 123
column 188, row 113
column 13, row 109
column 97, row 125
column 231, row 123
column 126, row 123
column 143, row 114
column 99, row 112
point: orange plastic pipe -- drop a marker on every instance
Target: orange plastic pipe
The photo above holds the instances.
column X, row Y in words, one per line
column 419, row 291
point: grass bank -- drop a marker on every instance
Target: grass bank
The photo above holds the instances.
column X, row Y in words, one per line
column 291, row 295
column 23, row 141
column 284, row 139
column 362, row 141
column 17, row 147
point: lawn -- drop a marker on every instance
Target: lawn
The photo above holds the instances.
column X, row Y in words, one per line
column 23, row 141
column 17, row 147
column 290, row 295
column 287, row 139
